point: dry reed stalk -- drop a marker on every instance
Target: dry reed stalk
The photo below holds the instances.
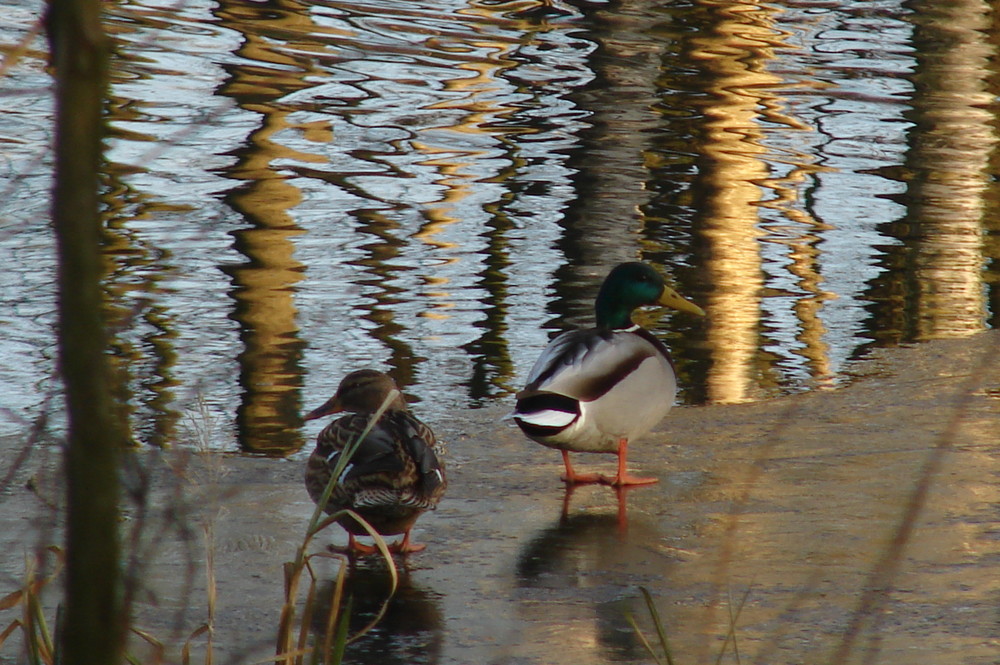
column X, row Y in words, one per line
column 33, row 626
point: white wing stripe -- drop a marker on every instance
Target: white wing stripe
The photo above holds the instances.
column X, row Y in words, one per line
column 547, row 418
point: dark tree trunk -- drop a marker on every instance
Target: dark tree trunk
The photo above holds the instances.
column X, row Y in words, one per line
column 93, row 626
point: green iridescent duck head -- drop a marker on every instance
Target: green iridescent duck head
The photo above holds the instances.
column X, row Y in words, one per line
column 632, row 285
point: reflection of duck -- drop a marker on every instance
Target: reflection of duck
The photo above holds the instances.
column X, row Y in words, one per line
column 411, row 631
column 621, row 493
column 595, row 390
column 575, row 541
column 392, row 477
column 576, row 578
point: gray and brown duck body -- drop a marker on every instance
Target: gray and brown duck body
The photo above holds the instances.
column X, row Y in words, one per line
column 597, row 389
column 395, row 473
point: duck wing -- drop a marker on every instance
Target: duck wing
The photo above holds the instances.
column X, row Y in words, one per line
column 585, row 364
column 418, row 442
column 375, row 453
column 394, row 464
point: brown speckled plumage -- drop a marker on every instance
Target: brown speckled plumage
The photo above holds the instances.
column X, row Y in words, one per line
column 394, row 475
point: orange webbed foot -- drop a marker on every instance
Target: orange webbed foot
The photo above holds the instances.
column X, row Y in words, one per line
column 623, row 478
column 407, row 546
column 355, row 548
column 581, row 478
column 628, row 480
column 572, row 478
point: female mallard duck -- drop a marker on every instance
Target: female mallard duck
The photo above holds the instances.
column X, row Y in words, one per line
column 595, row 390
column 393, row 476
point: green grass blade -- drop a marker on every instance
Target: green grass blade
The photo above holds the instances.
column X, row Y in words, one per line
column 642, row 638
column 661, row 631
column 731, row 634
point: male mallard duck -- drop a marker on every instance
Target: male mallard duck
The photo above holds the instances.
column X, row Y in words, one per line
column 595, row 390
column 393, row 476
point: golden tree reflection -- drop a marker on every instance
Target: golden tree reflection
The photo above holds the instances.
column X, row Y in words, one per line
column 269, row 363
column 950, row 148
column 733, row 55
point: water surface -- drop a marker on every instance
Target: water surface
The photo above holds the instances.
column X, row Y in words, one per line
column 297, row 189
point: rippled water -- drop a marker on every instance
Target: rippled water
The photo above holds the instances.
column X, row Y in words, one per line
column 298, row 189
